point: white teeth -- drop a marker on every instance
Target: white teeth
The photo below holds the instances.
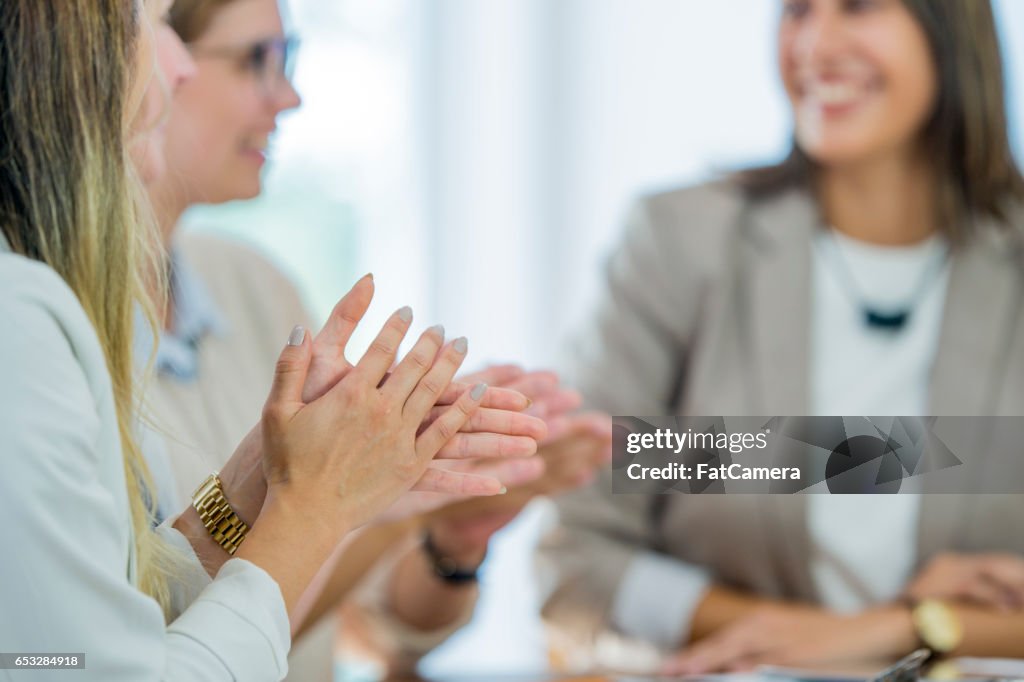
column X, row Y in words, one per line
column 833, row 93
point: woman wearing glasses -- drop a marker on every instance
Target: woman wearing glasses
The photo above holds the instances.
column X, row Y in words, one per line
column 224, row 297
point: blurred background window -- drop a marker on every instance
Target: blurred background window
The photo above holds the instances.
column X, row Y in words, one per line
column 478, row 156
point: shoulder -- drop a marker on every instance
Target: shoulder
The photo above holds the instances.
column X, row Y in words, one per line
column 55, row 377
column 714, row 212
column 691, row 226
column 24, row 281
column 714, row 203
column 700, row 223
column 36, row 303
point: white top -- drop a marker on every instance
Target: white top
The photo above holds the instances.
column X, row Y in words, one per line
column 863, row 545
column 67, row 565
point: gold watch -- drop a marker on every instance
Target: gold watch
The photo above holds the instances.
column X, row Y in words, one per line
column 937, row 625
column 219, row 518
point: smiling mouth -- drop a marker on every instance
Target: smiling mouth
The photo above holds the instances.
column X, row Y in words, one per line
column 259, row 146
column 833, row 96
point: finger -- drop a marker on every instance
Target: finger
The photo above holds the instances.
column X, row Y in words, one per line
column 571, row 463
column 709, row 660
column 432, row 385
column 514, row 472
column 496, row 398
column 713, row 653
column 556, row 403
column 1007, row 569
column 583, row 479
column 597, row 424
column 436, row 480
column 401, row 382
column 347, row 314
column 447, row 425
column 592, row 424
column 745, row 665
column 1008, row 573
column 285, row 397
column 415, row 503
column 535, row 384
column 486, row 445
column 382, row 352
column 984, row 593
column 495, row 375
column 487, row 420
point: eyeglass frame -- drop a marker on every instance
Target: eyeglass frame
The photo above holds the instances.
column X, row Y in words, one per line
column 244, row 55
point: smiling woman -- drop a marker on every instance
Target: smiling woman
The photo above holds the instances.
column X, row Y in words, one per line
column 243, row 86
column 872, row 272
column 228, row 306
column 860, row 81
column 870, row 80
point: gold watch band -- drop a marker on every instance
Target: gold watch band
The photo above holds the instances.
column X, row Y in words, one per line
column 217, row 515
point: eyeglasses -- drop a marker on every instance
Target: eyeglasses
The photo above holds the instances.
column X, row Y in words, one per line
column 270, row 61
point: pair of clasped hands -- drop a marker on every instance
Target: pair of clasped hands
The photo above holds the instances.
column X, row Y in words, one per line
column 340, row 445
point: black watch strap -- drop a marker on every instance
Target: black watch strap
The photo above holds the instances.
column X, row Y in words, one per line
column 445, row 567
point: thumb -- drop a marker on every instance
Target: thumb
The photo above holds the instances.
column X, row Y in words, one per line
column 285, row 397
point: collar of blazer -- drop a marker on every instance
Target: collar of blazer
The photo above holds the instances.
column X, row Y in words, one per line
column 979, row 327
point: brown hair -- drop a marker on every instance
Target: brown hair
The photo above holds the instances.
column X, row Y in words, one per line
column 191, row 18
column 966, row 137
column 69, row 198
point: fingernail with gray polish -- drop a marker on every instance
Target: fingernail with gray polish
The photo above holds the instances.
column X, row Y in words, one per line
column 406, row 314
column 461, row 345
column 478, row 391
column 438, row 329
column 297, row 336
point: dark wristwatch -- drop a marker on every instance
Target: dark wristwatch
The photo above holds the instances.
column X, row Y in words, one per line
column 445, row 567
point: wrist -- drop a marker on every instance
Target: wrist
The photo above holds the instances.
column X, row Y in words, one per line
column 243, row 480
column 218, row 515
column 469, row 554
column 894, row 628
column 455, row 569
column 288, row 509
column 211, row 555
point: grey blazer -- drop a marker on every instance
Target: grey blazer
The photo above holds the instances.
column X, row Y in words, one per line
column 706, row 312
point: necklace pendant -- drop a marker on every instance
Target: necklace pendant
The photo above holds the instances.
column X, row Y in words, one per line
column 892, row 322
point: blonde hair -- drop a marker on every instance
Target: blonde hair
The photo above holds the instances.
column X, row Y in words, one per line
column 70, row 198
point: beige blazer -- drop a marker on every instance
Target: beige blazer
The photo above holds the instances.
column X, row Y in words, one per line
column 706, row 312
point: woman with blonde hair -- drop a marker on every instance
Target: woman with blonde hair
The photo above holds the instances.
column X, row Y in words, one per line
column 91, row 584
